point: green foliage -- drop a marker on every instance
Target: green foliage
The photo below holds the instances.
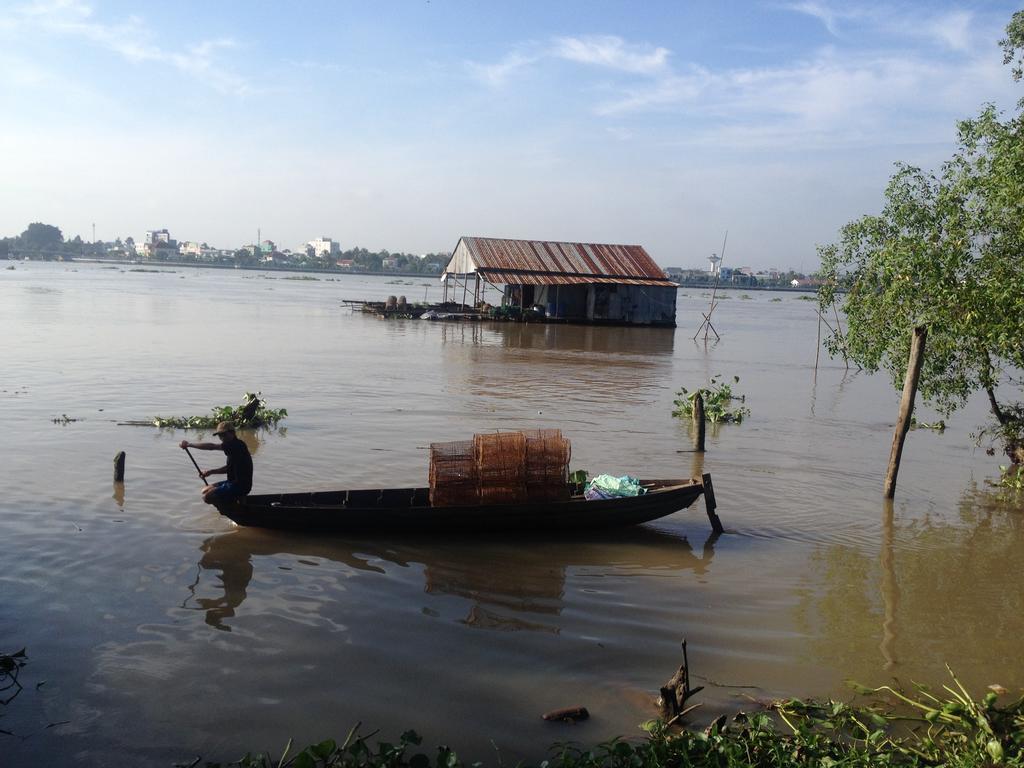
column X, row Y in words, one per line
column 1013, row 477
column 354, row 752
column 718, row 398
column 950, row 728
column 1013, row 45
column 944, row 254
column 253, row 412
column 38, row 236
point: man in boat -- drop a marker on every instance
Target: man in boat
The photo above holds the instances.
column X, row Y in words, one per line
column 238, row 467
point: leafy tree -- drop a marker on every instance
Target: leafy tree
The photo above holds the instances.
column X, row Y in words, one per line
column 245, row 257
column 1013, row 45
column 38, row 236
column 944, row 254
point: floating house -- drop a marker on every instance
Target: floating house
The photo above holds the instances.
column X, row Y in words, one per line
column 563, row 282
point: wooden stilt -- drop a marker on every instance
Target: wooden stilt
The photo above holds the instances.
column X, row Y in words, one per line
column 698, row 421
column 917, row 346
column 817, row 348
column 710, row 504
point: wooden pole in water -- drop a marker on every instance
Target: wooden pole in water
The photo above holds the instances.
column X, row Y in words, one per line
column 917, row 346
column 698, row 421
column 119, row 467
column 710, row 504
column 817, row 349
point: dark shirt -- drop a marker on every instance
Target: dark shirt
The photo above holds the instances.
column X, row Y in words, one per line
column 239, row 464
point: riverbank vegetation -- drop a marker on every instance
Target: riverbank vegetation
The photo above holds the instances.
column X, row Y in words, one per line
column 942, row 262
column 895, row 728
column 718, row 397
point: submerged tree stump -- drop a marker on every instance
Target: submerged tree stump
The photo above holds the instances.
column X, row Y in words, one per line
column 119, row 467
column 674, row 694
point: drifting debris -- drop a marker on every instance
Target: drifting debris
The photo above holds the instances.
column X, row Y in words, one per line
column 567, row 715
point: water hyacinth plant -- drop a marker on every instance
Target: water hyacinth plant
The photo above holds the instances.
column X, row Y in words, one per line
column 253, row 412
column 718, row 401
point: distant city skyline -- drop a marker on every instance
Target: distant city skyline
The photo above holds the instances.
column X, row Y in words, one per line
column 404, row 126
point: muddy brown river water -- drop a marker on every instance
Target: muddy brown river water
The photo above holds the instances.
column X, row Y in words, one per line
column 156, row 631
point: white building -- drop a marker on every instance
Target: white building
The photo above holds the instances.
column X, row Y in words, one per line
column 324, row 246
column 191, row 248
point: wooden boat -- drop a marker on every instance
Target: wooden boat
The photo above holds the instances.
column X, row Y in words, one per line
column 407, row 510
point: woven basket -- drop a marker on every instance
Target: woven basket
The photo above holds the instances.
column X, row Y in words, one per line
column 454, row 480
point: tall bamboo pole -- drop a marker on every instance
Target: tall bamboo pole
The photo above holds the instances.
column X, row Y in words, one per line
column 917, row 346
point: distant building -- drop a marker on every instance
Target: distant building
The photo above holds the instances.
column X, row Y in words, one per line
column 390, row 262
column 191, row 248
column 743, row 276
column 157, row 244
column 681, row 275
column 569, row 282
column 267, row 246
column 345, row 263
column 324, row 246
column 154, row 236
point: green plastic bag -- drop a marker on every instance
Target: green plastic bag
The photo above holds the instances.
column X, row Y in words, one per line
column 609, row 487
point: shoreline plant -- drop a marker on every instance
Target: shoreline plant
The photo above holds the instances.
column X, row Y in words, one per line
column 899, row 729
column 718, row 399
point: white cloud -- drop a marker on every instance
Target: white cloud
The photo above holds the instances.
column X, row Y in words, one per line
column 323, row 66
column 892, row 91
column 820, row 11
column 612, row 52
column 496, row 74
column 952, row 29
column 605, row 51
column 131, row 39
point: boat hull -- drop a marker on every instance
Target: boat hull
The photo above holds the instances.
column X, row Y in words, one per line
column 402, row 510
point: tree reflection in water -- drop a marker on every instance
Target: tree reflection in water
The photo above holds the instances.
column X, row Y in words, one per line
column 937, row 592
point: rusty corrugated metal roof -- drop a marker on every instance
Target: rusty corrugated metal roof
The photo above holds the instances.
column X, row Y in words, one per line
column 522, row 277
column 541, row 262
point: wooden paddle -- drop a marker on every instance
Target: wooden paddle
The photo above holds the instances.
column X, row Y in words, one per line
column 196, row 466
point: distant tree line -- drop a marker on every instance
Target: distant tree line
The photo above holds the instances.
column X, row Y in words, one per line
column 45, row 241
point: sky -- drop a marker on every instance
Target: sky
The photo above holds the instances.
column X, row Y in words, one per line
column 405, row 125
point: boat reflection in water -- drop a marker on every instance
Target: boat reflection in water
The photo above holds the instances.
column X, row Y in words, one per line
column 518, row 583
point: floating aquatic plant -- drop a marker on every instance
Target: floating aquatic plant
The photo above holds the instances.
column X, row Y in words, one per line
column 253, row 412
column 718, row 399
